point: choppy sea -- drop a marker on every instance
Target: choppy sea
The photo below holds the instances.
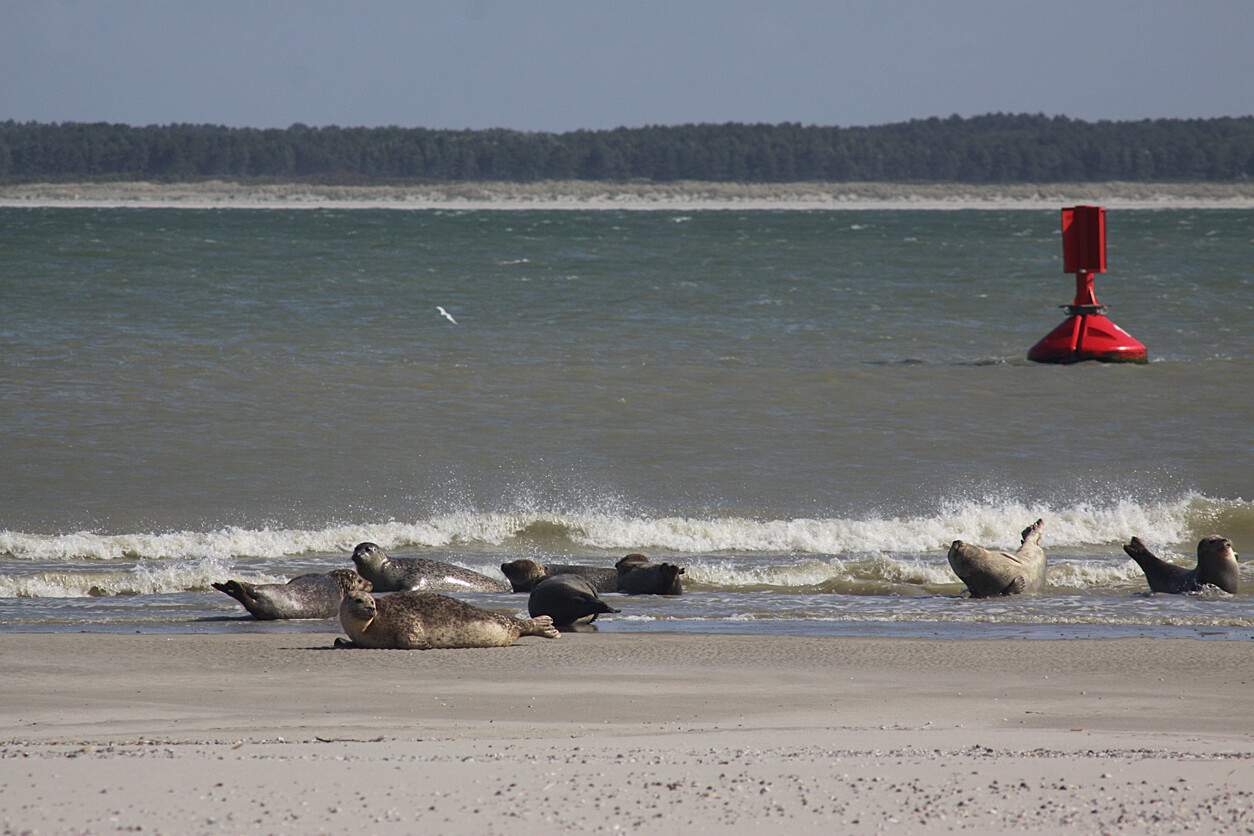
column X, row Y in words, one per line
column 802, row 408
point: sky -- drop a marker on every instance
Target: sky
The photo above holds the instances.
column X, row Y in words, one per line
column 561, row 65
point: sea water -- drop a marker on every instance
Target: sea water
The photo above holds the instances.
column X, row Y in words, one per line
column 801, row 408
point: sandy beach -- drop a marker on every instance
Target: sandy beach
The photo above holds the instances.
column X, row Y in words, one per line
column 605, row 733
column 597, row 195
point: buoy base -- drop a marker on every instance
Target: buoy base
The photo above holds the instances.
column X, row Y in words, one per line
column 1088, row 337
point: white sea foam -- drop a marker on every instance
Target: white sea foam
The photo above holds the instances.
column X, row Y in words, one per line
column 142, row 579
column 835, row 574
column 991, row 523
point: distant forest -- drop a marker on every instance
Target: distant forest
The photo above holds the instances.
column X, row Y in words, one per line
column 997, row 148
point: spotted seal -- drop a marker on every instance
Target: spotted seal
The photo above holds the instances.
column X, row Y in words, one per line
column 1216, row 566
column 988, row 573
column 524, row 574
column 567, row 599
column 403, row 573
column 637, row 575
column 304, row 596
column 425, row 620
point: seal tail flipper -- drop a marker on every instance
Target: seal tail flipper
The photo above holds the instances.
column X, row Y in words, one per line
column 1033, row 532
column 596, row 605
column 541, row 625
column 1159, row 574
column 1143, row 556
column 239, row 591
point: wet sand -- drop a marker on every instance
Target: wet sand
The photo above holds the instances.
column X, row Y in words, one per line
column 594, row 195
column 604, row 733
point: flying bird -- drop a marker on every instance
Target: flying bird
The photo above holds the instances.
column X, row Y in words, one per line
column 445, row 314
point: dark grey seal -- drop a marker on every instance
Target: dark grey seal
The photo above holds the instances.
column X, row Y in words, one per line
column 524, row 574
column 425, row 620
column 1216, row 566
column 567, row 599
column 405, row 573
column 304, row 596
column 638, row 576
column 988, row 573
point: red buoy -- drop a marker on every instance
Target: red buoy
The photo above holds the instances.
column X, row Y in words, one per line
column 1086, row 333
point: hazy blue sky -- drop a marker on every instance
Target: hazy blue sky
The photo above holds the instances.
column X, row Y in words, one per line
column 555, row 65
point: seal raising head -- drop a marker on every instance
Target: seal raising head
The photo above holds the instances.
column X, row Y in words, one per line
column 425, row 620
column 988, row 573
column 1216, row 566
column 393, row 574
column 305, row 596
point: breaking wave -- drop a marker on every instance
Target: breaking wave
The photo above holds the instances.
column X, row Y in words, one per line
column 995, row 524
column 853, row 556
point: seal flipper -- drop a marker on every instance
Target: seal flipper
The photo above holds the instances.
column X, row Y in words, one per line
column 241, row 592
column 601, row 606
column 1159, row 574
column 1015, row 587
column 541, row 625
column 1033, row 529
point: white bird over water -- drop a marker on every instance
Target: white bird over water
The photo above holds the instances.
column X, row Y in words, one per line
column 445, row 314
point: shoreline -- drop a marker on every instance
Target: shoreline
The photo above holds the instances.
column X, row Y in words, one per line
column 608, row 732
column 684, row 195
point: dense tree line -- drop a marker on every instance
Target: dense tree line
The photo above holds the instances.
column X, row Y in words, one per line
column 997, row 148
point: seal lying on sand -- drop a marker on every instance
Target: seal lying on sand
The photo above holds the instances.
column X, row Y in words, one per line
column 524, row 574
column 567, row 599
column 392, row 575
column 423, row 620
column 638, row 576
column 1216, row 566
column 987, row 573
column 304, row 596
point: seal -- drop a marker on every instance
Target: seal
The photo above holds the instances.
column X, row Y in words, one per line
column 1216, row 566
column 637, row 575
column 425, row 620
column 524, row 574
column 304, row 596
column 403, row 573
column 567, row 599
column 987, row 573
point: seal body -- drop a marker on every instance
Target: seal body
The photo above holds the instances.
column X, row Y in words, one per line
column 987, row 573
column 304, row 596
column 637, row 575
column 403, row 573
column 425, row 620
column 1216, row 566
column 567, row 599
column 524, row 574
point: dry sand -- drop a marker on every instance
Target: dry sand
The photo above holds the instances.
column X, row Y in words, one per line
column 590, row 195
column 612, row 732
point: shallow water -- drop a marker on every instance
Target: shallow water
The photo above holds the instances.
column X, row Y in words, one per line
column 802, row 408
